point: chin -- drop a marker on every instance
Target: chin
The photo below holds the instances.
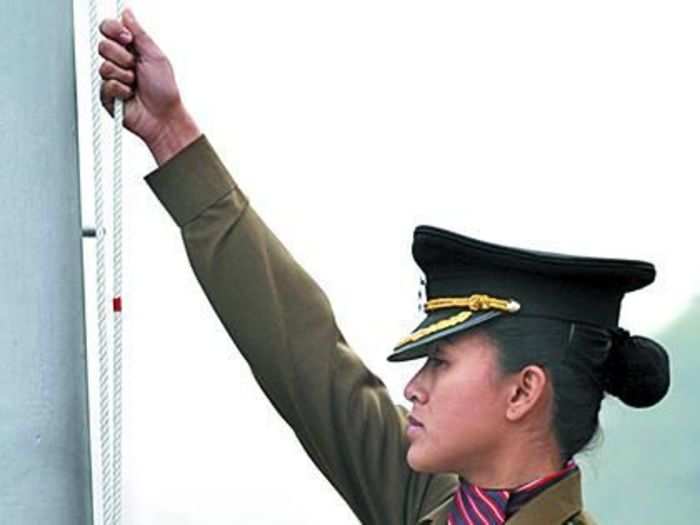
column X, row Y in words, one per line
column 420, row 461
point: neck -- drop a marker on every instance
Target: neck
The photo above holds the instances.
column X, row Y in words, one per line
column 519, row 461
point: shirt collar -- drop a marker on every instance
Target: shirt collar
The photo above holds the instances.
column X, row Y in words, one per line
column 474, row 504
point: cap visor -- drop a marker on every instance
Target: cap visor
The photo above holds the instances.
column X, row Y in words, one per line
column 419, row 348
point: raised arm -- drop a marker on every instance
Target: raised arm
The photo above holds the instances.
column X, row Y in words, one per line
column 283, row 325
column 278, row 317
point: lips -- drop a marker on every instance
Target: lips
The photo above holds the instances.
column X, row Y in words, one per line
column 413, row 421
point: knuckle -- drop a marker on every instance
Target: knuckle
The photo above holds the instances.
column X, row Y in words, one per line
column 109, row 27
column 105, row 69
column 104, row 27
column 119, row 88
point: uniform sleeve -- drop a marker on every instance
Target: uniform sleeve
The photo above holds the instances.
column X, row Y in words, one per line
column 283, row 325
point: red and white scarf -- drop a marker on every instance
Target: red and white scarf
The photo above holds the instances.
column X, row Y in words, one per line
column 472, row 505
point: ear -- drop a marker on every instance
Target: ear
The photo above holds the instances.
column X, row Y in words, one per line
column 529, row 385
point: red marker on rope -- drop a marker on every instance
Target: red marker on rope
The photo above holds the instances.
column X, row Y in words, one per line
column 117, row 304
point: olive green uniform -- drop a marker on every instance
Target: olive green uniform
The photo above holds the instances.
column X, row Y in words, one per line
column 283, row 325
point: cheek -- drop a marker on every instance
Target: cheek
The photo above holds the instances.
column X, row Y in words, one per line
column 464, row 419
column 469, row 413
column 463, row 400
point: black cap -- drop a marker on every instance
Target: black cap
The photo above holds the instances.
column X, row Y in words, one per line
column 469, row 281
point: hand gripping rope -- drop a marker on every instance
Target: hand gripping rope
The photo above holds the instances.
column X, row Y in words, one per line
column 110, row 456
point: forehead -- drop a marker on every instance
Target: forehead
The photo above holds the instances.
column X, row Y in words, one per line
column 453, row 344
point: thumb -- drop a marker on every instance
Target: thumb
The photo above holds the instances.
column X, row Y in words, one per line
column 142, row 42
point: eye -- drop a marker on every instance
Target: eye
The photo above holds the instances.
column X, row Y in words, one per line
column 435, row 362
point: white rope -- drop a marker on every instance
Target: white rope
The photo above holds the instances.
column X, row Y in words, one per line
column 117, row 269
column 110, row 444
column 105, row 449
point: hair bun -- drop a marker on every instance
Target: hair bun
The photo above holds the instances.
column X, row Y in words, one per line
column 636, row 369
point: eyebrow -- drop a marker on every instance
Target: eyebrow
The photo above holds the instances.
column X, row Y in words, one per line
column 437, row 348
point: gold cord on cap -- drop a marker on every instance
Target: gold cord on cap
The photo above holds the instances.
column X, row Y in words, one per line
column 435, row 327
column 474, row 302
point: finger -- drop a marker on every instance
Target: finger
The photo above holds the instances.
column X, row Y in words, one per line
column 116, row 53
column 107, row 102
column 115, row 30
column 114, row 89
column 144, row 43
column 111, row 71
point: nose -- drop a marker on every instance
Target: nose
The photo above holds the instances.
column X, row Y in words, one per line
column 414, row 390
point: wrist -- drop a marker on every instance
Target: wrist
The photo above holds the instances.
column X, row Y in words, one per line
column 176, row 134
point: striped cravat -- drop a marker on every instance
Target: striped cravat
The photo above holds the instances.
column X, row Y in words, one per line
column 472, row 505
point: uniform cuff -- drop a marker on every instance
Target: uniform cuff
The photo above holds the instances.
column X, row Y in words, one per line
column 191, row 181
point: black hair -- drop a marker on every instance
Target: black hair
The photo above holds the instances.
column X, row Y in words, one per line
column 584, row 362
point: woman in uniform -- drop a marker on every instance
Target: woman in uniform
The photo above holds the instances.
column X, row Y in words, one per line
column 521, row 346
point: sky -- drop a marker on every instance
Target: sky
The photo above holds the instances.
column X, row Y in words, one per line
column 556, row 126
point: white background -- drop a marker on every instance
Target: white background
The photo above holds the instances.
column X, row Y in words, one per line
column 558, row 126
